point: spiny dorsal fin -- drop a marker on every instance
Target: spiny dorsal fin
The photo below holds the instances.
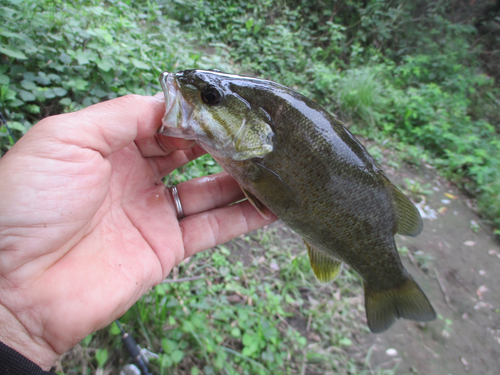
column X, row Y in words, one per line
column 407, row 302
column 258, row 205
column 326, row 268
column 408, row 219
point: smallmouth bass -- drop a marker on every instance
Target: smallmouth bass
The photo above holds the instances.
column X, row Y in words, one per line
column 291, row 157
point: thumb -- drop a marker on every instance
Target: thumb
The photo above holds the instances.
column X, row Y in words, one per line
column 106, row 127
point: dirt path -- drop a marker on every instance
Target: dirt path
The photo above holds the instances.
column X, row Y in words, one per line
column 462, row 281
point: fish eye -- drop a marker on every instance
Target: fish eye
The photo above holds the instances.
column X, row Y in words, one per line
column 210, row 95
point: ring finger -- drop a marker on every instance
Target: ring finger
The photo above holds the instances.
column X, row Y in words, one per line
column 209, row 192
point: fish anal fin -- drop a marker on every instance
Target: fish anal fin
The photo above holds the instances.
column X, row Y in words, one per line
column 326, row 268
column 408, row 219
column 407, row 301
column 258, row 205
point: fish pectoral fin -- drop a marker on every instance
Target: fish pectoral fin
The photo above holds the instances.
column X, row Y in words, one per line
column 326, row 268
column 283, row 194
column 258, row 205
column 408, row 219
column 407, row 301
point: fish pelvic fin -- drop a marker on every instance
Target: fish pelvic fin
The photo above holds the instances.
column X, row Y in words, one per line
column 326, row 268
column 408, row 219
column 407, row 301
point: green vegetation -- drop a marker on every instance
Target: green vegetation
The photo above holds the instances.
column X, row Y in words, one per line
column 417, row 83
column 416, row 76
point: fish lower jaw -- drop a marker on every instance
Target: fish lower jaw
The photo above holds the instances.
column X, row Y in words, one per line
column 227, row 151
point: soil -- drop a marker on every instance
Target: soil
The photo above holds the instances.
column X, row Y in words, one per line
column 462, row 281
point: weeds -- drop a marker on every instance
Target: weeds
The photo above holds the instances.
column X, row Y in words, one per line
column 257, row 309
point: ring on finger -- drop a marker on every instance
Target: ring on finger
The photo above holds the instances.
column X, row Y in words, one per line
column 177, row 202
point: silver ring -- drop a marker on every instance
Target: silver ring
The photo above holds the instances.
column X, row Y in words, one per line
column 177, row 201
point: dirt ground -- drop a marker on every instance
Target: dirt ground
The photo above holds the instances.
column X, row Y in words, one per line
column 462, row 281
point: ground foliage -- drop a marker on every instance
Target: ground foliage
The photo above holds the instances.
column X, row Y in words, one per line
column 416, row 77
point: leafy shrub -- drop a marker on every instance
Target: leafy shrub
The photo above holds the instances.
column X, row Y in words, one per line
column 361, row 95
column 63, row 56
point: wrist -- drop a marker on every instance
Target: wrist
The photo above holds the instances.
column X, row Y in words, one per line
column 15, row 335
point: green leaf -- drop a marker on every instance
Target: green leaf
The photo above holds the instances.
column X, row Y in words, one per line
column 43, row 80
column 4, row 80
column 12, row 52
column 177, row 356
column 27, row 96
column 15, row 103
column 59, row 91
column 86, row 341
column 65, row 58
column 16, row 125
column 80, row 84
column 54, row 77
column 235, row 332
column 140, row 65
column 115, row 330
column 101, row 355
column 32, row 108
column 168, row 345
column 165, row 360
column 49, row 94
column 28, row 85
column 104, row 65
column 29, row 76
column 65, row 101
column 249, row 24
column 82, row 57
column 345, row 341
column 257, row 27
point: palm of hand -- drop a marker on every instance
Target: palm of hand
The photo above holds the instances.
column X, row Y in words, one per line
column 87, row 226
column 104, row 227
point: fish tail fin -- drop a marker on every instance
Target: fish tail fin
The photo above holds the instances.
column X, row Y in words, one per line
column 407, row 301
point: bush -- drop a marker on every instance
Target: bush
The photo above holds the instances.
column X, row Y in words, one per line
column 64, row 56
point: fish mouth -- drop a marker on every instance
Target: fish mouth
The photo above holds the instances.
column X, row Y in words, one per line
column 166, row 83
column 170, row 90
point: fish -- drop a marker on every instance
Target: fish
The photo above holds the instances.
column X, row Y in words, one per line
column 294, row 159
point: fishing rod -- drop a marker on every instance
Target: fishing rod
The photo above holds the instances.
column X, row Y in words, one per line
column 137, row 354
column 4, row 122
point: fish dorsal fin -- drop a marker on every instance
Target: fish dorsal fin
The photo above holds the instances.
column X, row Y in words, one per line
column 326, row 268
column 258, row 205
column 408, row 219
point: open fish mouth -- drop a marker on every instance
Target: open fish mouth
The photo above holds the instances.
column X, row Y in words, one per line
column 170, row 92
column 178, row 111
column 167, row 83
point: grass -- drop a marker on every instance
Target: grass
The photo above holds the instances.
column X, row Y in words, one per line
column 251, row 306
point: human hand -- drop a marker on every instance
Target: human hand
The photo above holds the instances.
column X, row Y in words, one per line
column 87, row 226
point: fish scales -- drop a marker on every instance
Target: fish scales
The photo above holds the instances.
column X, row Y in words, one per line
column 292, row 157
column 358, row 218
